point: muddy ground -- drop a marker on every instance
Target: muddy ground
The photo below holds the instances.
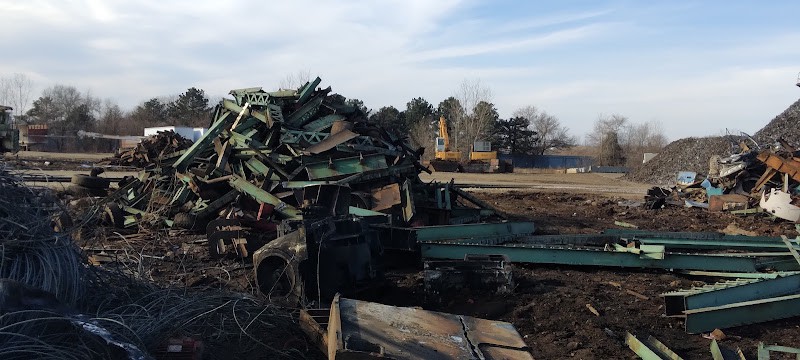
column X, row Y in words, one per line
column 549, row 304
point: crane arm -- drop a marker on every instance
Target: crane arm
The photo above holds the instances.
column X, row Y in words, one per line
column 443, row 133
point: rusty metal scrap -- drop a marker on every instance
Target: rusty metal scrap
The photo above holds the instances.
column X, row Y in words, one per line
column 151, row 149
column 279, row 175
column 354, row 329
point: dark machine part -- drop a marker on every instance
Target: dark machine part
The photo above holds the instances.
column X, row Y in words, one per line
column 326, row 252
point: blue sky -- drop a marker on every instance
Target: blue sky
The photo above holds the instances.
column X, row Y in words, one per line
column 696, row 67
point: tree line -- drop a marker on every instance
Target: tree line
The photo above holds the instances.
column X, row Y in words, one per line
column 470, row 114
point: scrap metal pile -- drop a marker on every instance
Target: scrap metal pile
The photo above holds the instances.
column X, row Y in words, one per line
column 302, row 178
column 150, row 149
column 757, row 178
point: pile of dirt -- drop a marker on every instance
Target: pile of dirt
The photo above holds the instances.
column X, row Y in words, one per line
column 785, row 125
column 689, row 154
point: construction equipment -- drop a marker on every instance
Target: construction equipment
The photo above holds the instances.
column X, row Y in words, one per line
column 9, row 134
column 483, row 160
column 444, row 158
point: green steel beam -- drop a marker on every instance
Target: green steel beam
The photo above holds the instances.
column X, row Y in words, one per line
column 764, row 350
column 738, row 244
column 264, row 197
column 770, row 275
column 408, row 238
column 307, row 89
column 323, row 122
column 345, row 166
column 506, row 230
column 743, row 313
column 525, row 253
column 299, row 117
column 728, row 292
column 213, row 132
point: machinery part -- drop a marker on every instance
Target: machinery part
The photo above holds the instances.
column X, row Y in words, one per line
column 188, row 221
column 225, row 233
column 779, row 203
column 61, row 222
column 113, row 215
column 92, row 182
column 445, row 159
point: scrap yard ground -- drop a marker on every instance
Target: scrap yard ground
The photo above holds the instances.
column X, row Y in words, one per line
column 549, row 305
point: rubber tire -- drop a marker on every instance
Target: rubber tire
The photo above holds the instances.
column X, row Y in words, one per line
column 92, row 182
column 82, row 191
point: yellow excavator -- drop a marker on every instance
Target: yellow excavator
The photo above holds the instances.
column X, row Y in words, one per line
column 444, row 158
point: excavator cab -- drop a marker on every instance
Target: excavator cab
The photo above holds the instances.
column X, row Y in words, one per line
column 9, row 134
column 798, row 79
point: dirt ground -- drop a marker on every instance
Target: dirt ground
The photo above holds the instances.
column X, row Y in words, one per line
column 549, row 304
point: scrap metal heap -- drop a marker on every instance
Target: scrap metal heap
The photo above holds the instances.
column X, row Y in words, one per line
column 753, row 179
column 151, row 148
column 302, row 178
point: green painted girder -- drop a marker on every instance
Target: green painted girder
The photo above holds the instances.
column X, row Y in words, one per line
column 258, row 167
column 503, row 230
column 250, row 114
column 764, row 350
column 323, row 122
column 769, row 275
column 306, row 90
column 204, row 142
column 302, row 184
column 204, row 211
column 299, row 117
column 241, row 141
column 537, row 254
column 742, row 313
column 650, row 349
column 295, row 136
column 728, row 292
column 264, row 197
column 709, row 237
column 721, row 243
column 408, row 238
column 334, row 168
column 238, row 94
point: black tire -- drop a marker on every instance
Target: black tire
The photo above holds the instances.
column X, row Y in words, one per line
column 188, row 221
column 113, row 215
column 82, row 191
column 92, row 182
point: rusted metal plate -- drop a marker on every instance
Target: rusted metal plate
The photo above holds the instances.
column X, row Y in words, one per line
column 728, row 202
column 386, row 197
column 331, row 141
column 366, row 330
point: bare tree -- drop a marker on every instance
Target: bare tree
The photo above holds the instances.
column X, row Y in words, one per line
column 604, row 125
column 296, row 80
column 422, row 134
column 633, row 139
column 550, row 133
column 468, row 124
column 21, row 88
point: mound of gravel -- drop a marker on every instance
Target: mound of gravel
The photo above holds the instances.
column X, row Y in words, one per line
column 693, row 154
column 689, row 154
column 786, row 125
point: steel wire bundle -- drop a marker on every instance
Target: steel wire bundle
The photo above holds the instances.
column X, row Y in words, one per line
column 31, row 252
column 109, row 315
